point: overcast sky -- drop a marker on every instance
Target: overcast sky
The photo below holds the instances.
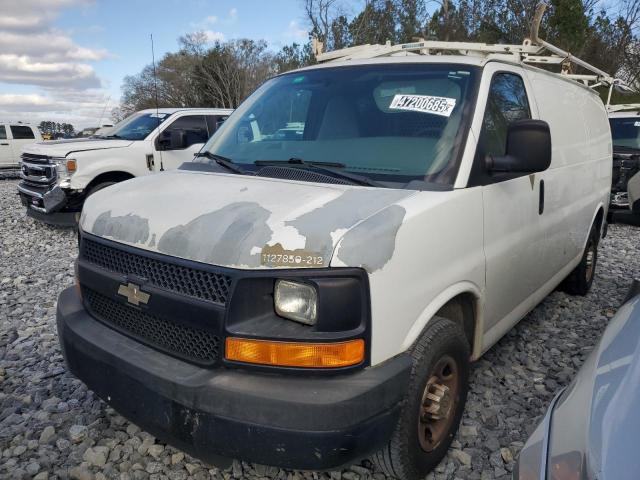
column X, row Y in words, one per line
column 64, row 60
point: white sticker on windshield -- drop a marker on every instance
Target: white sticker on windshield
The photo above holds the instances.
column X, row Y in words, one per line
column 424, row 103
column 637, row 124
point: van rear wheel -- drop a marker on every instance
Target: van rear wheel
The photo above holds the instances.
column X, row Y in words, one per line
column 580, row 280
column 433, row 404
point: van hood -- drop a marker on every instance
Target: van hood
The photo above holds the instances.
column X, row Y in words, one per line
column 245, row 221
column 62, row 148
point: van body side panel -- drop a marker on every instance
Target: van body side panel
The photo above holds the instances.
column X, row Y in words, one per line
column 579, row 179
column 438, row 245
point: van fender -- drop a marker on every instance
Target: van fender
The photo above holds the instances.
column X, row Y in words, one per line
column 440, row 301
column 593, row 221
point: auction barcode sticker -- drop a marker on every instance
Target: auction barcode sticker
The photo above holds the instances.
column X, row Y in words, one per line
column 424, row 103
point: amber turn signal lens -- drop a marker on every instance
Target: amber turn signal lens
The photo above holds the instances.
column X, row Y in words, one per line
column 290, row 354
column 71, row 166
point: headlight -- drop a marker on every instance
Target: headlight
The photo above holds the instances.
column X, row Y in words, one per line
column 296, row 301
column 65, row 166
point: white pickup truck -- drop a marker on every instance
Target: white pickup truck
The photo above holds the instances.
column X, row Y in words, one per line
column 13, row 137
column 57, row 176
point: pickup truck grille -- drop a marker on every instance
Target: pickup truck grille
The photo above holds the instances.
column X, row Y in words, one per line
column 37, row 170
column 192, row 344
column 196, row 283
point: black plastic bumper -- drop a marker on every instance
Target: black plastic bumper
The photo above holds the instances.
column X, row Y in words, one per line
column 47, row 204
column 301, row 422
column 60, row 219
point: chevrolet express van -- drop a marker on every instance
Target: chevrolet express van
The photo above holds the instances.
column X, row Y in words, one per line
column 58, row 176
column 312, row 289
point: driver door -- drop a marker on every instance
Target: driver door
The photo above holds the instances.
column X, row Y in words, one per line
column 193, row 132
column 514, row 235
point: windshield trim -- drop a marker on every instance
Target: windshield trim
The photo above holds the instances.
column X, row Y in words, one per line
column 445, row 180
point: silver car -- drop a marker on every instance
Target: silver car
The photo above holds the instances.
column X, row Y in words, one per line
column 592, row 428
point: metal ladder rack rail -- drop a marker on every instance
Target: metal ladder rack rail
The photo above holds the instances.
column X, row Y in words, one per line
column 621, row 107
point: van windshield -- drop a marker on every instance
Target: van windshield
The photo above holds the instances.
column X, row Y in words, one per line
column 392, row 123
column 137, row 126
column 625, row 132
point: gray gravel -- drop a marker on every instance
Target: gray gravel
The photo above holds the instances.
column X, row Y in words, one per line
column 52, row 427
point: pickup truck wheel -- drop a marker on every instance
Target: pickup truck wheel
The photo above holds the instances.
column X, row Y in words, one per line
column 433, row 404
column 580, row 280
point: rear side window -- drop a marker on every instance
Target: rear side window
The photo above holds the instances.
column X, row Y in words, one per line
column 507, row 102
column 194, row 126
column 3, row 132
column 21, row 132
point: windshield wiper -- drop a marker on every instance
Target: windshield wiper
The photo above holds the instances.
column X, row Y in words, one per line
column 111, row 136
column 334, row 168
column 223, row 161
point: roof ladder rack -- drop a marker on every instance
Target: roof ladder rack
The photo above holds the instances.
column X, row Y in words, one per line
column 533, row 50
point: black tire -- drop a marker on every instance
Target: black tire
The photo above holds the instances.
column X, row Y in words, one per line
column 99, row 187
column 581, row 278
column 404, row 456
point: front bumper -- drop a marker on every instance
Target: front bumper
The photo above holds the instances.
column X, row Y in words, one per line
column 290, row 421
column 46, row 204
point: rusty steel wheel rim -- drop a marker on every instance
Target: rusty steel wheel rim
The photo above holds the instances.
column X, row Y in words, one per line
column 439, row 402
column 590, row 261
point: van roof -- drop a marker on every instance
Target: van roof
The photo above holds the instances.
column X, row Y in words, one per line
column 475, row 61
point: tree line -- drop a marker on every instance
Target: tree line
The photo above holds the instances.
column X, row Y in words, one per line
column 223, row 74
column 55, row 129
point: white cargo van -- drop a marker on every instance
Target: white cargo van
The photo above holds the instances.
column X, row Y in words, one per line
column 59, row 175
column 13, row 137
column 313, row 288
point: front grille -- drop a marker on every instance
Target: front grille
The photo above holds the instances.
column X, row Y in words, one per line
column 34, row 158
column 37, row 170
column 196, row 283
column 185, row 342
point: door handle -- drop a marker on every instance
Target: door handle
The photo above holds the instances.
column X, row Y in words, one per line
column 4, row 144
column 541, row 204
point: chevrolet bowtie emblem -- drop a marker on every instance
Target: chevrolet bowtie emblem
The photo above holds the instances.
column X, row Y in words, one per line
column 134, row 295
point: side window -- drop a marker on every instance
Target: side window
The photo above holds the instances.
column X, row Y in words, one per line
column 507, row 102
column 3, row 132
column 194, row 126
column 22, row 132
column 214, row 122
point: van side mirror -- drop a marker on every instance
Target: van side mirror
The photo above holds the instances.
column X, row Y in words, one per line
column 528, row 149
column 172, row 140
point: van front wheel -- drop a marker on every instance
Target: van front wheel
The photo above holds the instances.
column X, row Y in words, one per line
column 433, row 404
column 579, row 281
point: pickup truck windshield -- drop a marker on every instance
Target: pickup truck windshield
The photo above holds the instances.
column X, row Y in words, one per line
column 392, row 123
column 137, row 126
column 626, row 132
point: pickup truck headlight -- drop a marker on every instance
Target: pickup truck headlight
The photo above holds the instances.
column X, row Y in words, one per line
column 296, row 301
column 65, row 166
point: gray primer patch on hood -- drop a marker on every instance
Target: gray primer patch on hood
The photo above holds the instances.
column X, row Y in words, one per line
column 128, row 228
column 371, row 244
column 345, row 211
column 222, row 237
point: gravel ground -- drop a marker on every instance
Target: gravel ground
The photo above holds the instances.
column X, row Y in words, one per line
column 52, row 427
